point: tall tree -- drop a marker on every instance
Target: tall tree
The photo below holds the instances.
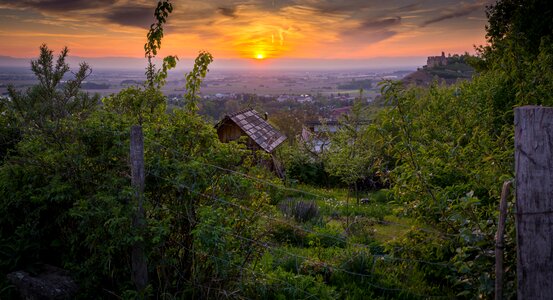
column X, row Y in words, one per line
column 523, row 22
column 52, row 99
column 349, row 155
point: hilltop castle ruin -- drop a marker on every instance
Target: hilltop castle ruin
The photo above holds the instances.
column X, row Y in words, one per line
column 435, row 61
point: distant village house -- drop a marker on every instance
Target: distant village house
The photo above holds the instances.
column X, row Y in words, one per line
column 316, row 134
column 297, row 98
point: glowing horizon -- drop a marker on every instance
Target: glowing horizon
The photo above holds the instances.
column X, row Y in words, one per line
column 247, row 29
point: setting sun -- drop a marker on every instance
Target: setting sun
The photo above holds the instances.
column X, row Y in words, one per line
column 259, row 56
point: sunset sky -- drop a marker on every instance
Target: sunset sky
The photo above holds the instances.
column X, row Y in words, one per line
column 250, row 29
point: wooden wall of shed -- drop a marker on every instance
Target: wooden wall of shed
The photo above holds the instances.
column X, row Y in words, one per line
column 229, row 131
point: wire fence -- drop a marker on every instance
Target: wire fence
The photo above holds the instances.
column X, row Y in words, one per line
column 295, row 190
column 250, row 270
column 181, row 155
column 260, row 213
column 276, row 248
column 178, row 155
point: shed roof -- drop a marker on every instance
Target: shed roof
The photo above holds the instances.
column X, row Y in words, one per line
column 257, row 128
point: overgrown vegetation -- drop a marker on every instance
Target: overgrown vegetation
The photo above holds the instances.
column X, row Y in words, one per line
column 220, row 226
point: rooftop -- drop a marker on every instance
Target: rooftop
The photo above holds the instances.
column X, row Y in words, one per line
column 257, row 128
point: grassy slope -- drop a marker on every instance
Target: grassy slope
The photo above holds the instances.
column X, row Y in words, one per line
column 347, row 237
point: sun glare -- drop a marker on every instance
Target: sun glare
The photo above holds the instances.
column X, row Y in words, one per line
column 259, row 56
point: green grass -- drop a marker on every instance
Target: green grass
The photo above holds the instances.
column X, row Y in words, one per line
column 344, row 242
column 370, row 224
column 361, row 223
column 313, row 191
column 392, row 227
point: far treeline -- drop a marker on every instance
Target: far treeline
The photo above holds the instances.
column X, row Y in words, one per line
column 220, row 225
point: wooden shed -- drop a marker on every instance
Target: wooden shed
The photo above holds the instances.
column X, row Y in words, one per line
column 261, row 135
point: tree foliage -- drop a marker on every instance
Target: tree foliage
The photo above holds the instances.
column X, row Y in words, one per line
column 72, row 193
column 153, row 44
column 66, row 196
column 519, row 22
column 52, row 99
column 451, row 148
column 349, row 155
column 194, row 79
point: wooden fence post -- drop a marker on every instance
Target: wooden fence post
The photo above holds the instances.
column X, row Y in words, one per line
column 534, row 201
column 139, row 263
column 500, row 240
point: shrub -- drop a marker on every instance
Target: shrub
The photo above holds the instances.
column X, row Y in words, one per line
column 317, row 268
column 288, row 261
column 284, row 232
column 358, row 261
column 302, row 166
column 326, row 237
column 280, row 284
column 301, row 211
column 380, row 196
column 379, row 277
column 361, row 231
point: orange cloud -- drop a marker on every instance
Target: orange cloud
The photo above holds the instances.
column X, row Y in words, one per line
column 247, row 28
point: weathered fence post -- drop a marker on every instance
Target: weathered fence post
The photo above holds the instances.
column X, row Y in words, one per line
column 139, row 263
column 534, row 201
column 500, row 240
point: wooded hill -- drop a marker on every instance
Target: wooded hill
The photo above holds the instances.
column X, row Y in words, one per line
column 456, row 69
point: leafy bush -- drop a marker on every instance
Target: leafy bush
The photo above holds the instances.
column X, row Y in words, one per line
column 361, row 230
column 280, row 284
column 287, row 232
column 359, row 261
column 302, row 166
column 380, row 196
column 288, row 259
column 383, row 277
column 326, row 236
